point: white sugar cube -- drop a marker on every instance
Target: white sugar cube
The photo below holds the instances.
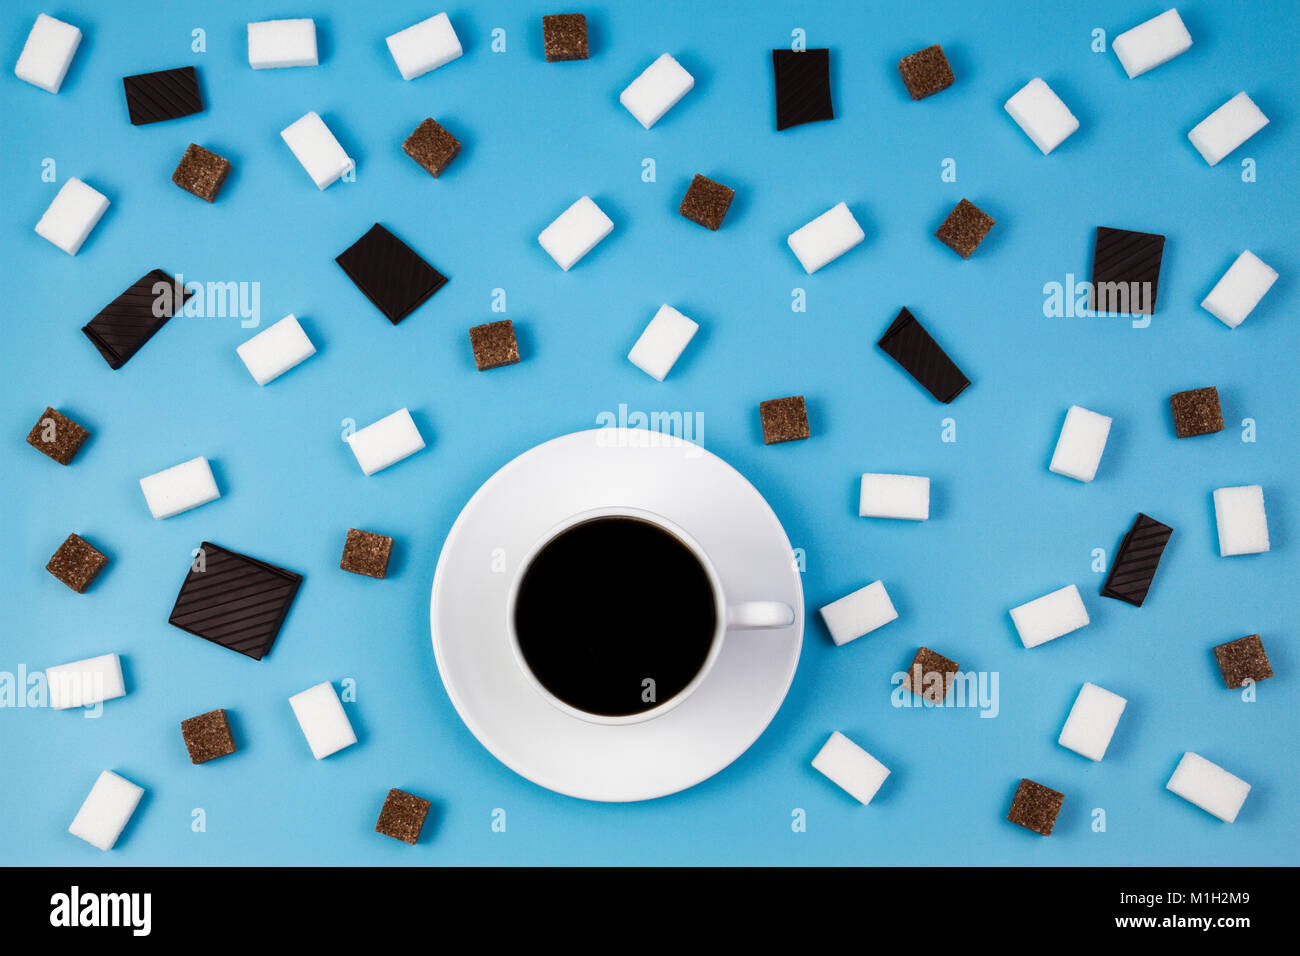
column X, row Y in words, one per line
column 1235, row 295
column 826, row 238
column 575, row 232
column 1208, row 786
column 104, row 814
column 1243, row 525
column 48, row 53
column 859, row 613
column 322, row 719
column 87, row 682
column 180, row 488
column 274, row 44
column 1050, row 616
column 425, row 46
column 895, row 496
column 75, row 211
column 273, row 351
column 656, row 90
column 662, row 342
column 1080, row 445
column 1042, row 115
column 850, row 767
column 1150, row 44
column 1092, row 721
column 316, row 148
column 1227, row 128
column 386, row 442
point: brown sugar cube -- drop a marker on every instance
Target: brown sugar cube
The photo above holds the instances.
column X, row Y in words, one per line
column 1035, row 807
column 201, row 172
column 930, row 675
column 207, row 736
column 965, row 228
column 432, row 147
column 926, row 72
column 77, row 563
column 1196, row 412
column 1243, row 660
column 706, row 202
column 784, row 419
column 366, row 553
column 402, row 817
column 57, row 436
column 494, row 344
column 565, row 37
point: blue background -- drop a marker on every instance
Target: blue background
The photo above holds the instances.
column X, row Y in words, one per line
column 535, row 136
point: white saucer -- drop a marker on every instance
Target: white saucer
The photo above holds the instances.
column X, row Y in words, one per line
column 603, row 467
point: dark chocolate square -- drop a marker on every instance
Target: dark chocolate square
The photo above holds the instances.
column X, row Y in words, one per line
column 366, row 553
column 803, row 87
column 164, row 95
column 930, row 675
column 925, row 72
column 908, row 343
column 494, row 344
column 1243, row 660
column 402, row 817
column 1035, row 807
column 1134, row 567
column 965, row 228
column 706, row 202
column 784, row 419
column 390, row 273
column 207, row 736
column 77, row 563
column 57, row 436
column 1126, row 271
column 201, row 172
column 564, row 36
column 1196, row 412
column 432, row 147
column 124, row 325
column 234, row 600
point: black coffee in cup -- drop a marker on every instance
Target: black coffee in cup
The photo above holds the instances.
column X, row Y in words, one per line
column 614, row 616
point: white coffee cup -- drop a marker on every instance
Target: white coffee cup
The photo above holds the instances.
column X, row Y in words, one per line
column 728, row 616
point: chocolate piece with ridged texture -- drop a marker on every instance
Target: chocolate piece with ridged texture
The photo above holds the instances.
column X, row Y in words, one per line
column 1035, row 807
column 390, row 273
column 1125, row 271
column 803, row 87
column 1196, row 412
column 1136, row 560
column 57, row 436
column 164, row 95
column 124, row 325
column 925, row 72
column 1243, row 660
column 908, row 343
column 234, row 600
column 402, row 816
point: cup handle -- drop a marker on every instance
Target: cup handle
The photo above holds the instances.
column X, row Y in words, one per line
column 753, row 615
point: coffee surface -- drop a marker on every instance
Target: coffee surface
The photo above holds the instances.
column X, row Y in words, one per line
column 615, row 616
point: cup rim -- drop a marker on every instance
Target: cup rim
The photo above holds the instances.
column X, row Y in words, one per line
column 664, row 524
